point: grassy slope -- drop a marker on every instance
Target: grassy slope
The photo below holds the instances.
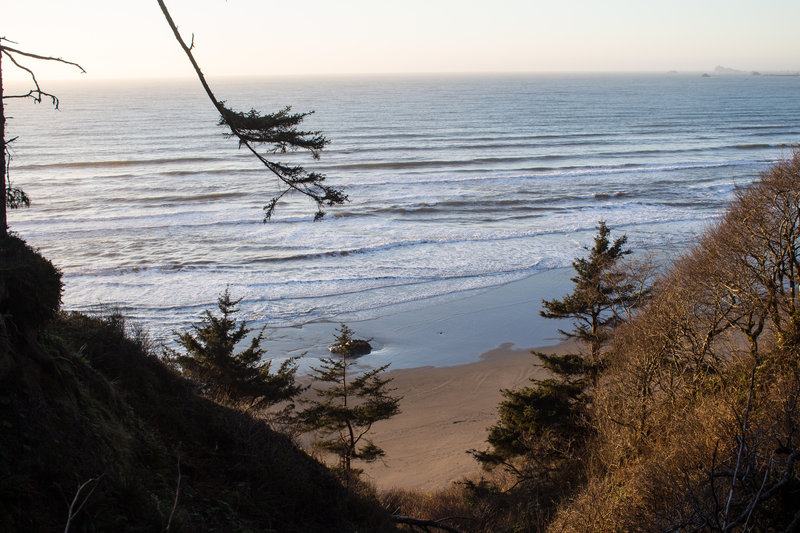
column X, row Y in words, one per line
column 104, row 409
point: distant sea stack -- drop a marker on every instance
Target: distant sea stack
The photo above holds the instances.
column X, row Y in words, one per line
column 725, row 70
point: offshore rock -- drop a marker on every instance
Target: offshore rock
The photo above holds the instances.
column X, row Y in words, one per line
column 354, row 348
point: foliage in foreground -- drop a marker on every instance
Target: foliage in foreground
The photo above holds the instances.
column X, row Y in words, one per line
column 30, row 286
column 236, row 379
column 694, row 413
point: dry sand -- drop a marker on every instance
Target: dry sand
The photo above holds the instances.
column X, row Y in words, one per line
column 445, row 412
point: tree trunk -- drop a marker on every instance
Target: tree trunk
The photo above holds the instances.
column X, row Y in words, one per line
column 3, row 169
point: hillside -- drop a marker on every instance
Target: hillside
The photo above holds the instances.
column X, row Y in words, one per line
column 92, row 422
column 692, row 423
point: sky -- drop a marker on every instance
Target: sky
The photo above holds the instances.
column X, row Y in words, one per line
column 130, row 38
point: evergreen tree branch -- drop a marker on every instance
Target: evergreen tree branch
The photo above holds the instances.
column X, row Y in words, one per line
column 277, row 129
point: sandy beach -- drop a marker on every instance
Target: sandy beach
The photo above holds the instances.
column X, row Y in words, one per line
column 445, row 412
column 449, row 361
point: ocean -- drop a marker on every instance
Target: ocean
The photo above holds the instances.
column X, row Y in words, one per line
column 457, row 184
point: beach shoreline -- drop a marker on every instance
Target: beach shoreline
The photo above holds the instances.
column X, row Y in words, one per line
column 446, row 411
column 443, row 332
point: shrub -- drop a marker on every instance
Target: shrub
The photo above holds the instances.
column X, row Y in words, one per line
column 236, row 379
column 30, row 286
column 344, row 412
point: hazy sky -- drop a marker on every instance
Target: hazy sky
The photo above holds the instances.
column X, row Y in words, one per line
column 129, row 38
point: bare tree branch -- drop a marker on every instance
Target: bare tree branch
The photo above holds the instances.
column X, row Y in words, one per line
column 43, row 58
column 177, row 495
column 424, row 524
column 37, row 93
column 13, row 197
column 79, row 502
column 741, row 442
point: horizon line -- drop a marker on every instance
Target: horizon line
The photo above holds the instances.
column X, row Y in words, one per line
column 415, row 74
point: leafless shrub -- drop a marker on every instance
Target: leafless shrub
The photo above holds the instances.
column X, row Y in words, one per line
column 696, row 416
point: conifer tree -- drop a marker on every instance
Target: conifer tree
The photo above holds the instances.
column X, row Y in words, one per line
column 601, row 291
column 348, row 405
column 279, row 132
column 545, row 425
column 240, row 379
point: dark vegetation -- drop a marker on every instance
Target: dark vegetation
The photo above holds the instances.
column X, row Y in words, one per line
column 236, row 379
column 541, row 429
column 98, row 427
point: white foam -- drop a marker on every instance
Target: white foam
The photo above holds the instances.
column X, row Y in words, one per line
column 162, row 223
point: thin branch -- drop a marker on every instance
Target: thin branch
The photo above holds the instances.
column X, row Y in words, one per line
column 741, row 442
column 73, row 511
column 43, row 58
column 794, row 525
column 37, row 93
column 754, row 504
column 177, row 494
column 712, row 477
column 788, row 474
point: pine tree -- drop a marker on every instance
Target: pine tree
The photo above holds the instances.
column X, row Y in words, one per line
column 542, row 428
column 601, row 292
column 348, row 405
column 240, row 379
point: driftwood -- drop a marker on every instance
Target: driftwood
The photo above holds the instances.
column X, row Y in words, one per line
column 424, row 525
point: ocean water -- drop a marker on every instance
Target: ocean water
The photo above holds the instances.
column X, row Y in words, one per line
column 456, row 184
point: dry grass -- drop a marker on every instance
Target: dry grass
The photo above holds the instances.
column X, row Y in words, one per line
column 696, row 419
